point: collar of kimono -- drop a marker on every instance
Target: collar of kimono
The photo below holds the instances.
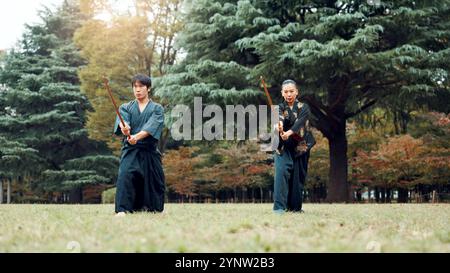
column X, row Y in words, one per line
column 149, row 100
column 295, row 106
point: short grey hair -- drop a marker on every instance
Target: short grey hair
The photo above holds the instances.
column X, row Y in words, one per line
column 289, row 81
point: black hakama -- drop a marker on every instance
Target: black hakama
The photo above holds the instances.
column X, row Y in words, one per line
column 141, row 183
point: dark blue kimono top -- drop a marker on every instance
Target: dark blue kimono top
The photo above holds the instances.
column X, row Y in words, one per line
column 150, row 120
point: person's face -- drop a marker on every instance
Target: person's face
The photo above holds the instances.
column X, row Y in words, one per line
column 140, row 91
column 289, row 92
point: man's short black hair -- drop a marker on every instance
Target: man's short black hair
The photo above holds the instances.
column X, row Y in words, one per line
column 145, row 80
column 289, row 81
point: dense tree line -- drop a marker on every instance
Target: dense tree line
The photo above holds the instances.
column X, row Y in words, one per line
column 348, row 56
column 45, row 150
column 374, row 73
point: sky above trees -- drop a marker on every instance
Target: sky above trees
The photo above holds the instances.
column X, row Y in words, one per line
column 15, row 14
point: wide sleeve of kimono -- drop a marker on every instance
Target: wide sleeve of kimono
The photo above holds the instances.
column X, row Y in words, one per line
column 303, row 116
column 125, row 116
column 155, row 124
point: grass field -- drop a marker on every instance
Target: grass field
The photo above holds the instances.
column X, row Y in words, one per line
column 227, row 228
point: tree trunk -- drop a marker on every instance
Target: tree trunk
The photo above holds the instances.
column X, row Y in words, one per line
column 404, row 119
column 262, row 194
column 312, row 193
column 427, row 194
column 8, row 192
column 76, row 195
column 388, row 195
column 359, row 196
column 1, row 192
column 377, row 195
column 396, row 123
column 323, row 193
column 383, row 195
column 164, row 139
column 338, row 190
column 244, row 195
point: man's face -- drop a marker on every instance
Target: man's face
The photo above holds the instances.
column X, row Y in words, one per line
column 140, row 91
column 289, row 92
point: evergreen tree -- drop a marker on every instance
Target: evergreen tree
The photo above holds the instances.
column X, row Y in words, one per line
column 17, row 161
column 43, row 108
column 346, row 55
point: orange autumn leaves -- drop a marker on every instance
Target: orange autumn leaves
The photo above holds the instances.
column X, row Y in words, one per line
column 405, row 161
column 190, row 171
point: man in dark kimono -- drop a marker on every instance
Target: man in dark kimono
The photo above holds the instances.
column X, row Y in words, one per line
column 291, row 157
column 140, row 183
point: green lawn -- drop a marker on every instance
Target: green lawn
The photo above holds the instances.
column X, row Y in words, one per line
column 227, row 228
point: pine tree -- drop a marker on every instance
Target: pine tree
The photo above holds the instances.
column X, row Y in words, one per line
column 44, row 109
column 17, row 161
column 347, row 56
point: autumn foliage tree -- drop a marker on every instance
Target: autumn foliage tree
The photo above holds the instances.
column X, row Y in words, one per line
column 180, row 172
column 396, row 164
column 244, row 167
column 237, row 172
column 137, row 41
column 436, row 137
column 404, row 162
